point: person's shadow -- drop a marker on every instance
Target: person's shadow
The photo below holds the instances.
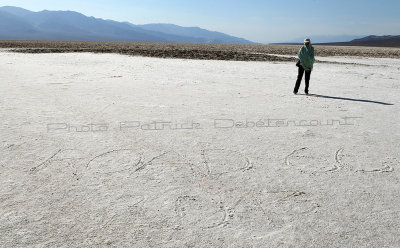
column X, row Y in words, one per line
column 350, row 99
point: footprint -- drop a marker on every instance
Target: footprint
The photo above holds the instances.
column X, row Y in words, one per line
column 310, row 161
column 218, row 162
column 366, row 160
column 122, row 161
column 249, row 208
column 386, row 167
column 201, row 212
column 270, row 210
column 70, row 158
column 292, row 202
column 114, row 161
column 287, row 202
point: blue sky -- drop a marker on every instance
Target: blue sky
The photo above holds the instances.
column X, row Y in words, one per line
column 261, row 21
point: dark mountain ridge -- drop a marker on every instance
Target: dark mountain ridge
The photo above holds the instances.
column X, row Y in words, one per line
column 372, row 41
column 21, row 24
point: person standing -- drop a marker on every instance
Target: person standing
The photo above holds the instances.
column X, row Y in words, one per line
column 305, row 64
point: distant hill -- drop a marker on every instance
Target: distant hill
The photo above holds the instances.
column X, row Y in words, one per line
column 202, row 34
column 324, row 39
column 21, row 24
column 372, row 40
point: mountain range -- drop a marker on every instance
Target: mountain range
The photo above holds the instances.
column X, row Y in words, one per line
column 21, row 24
column 372, row 40
column 325, row 39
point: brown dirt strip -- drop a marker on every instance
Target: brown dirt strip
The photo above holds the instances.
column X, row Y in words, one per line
column 195, row 51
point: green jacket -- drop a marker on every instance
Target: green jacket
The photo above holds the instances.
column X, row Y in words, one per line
column 306, row 57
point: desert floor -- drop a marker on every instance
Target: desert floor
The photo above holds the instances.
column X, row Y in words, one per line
column 103, row 150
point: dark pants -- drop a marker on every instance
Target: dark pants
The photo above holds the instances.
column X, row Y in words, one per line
column 300, row 77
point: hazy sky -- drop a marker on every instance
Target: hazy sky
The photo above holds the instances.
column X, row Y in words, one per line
column 257, row 20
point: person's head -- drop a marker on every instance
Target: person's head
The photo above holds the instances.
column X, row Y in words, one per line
column 307, row 42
